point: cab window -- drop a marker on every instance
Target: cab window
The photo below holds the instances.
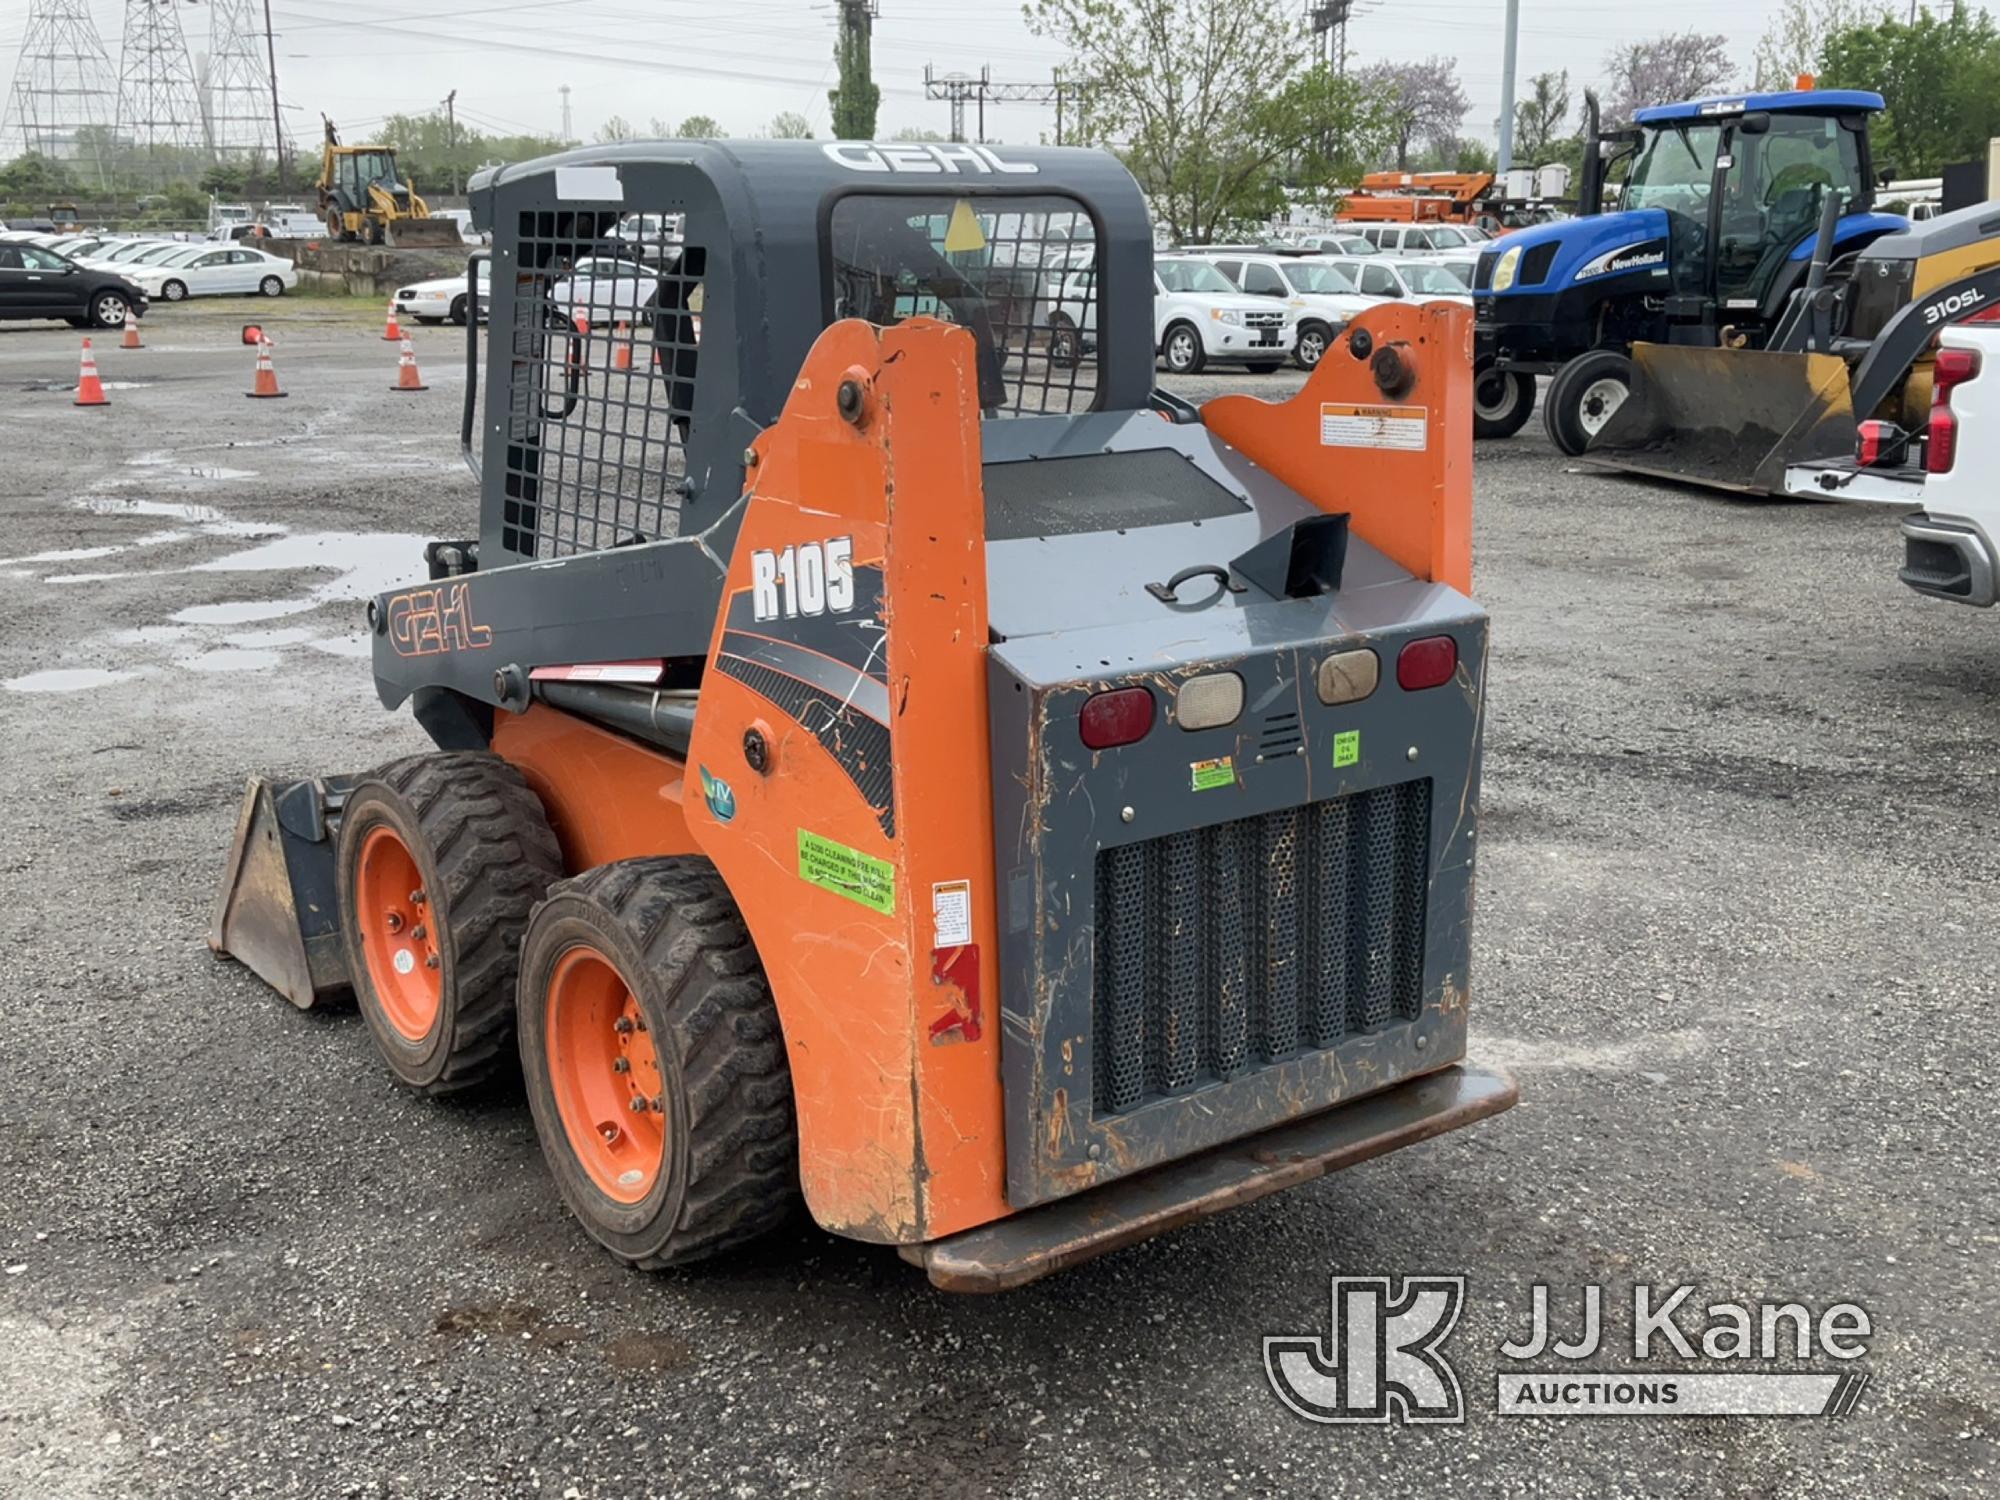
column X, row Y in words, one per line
column 1262, row 281
column 1377, row 282
column 1417, row 239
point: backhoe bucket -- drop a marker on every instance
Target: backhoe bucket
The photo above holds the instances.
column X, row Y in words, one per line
column 423, row 234
column 1731, row 418
column 278, row 913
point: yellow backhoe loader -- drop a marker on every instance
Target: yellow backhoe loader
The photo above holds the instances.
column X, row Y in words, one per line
column 362, row 197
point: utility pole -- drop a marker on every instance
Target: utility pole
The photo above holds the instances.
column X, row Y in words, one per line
column 451, row 135
column 1504, row 158
column 277, row 120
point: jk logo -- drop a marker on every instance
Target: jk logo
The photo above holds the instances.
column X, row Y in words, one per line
column 1380, row 1356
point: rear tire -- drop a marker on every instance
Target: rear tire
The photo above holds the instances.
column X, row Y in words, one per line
column 272, row 286
column 1582, row 397
column 174, row 291
column 692, row 1145
column 440, row 861
column 1502, row 402
column 458, row 310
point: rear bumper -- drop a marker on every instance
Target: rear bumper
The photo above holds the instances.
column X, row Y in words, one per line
column 1949, row 559
column 1031, row 1244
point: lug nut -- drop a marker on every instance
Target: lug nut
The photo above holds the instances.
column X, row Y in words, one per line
column 417, row 898
column 419, row 932
column 431, row 962
column 623, row 1025
column 620, row 1065
column 658, row 1107
column 639, row 1106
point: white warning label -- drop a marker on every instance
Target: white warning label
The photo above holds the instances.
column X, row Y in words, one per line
column 1344, row 424
column 951, row 910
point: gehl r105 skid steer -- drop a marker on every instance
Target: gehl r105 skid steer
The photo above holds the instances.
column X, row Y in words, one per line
column 1018, row 810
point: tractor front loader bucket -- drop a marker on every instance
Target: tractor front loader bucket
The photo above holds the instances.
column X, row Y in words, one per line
column 423, row 234
column 278, row 913
column 1733, row 419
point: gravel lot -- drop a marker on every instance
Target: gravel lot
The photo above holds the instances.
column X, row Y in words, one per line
column 1736, row 925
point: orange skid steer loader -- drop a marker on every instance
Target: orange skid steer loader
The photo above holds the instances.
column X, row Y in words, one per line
column 1011, row 807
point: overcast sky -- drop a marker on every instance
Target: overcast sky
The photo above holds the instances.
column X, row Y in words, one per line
column 742, row 61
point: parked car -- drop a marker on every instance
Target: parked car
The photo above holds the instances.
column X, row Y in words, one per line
column 442, row 299
column 130, row 254
column 1438, row 241
column 38, row 283
column 607, row 289
column 1419, row 280
column 1322, row 300
column 1199, row 316
column 207, row 271
column 1336, row 244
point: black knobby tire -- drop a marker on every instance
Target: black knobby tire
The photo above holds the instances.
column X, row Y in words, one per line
column 1502, row 401
column 729, row 1170
column 1576, row 385
column 1065, row 348
column 483, row 845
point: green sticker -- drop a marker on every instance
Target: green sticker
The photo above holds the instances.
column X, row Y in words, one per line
column 1347, row 747
column 848, row 872
column 1210, row 774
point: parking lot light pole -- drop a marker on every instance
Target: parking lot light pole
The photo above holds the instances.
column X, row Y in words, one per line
column 1504, row 157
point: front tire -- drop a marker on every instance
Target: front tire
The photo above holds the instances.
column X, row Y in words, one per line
column 108, row 309
column 1181, row 348
column 1583, row 396
column 655, row 1063
column 458, row 310
column 440, row 861
column 1314, row 340
column 174, row 291
column 271, row 286
column 1502, row 402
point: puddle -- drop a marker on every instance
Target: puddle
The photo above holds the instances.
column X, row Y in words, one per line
column 367, row 563
column 357, row 647
column 66, row 680
column 245, row 613
column 99, row 505
column 227, row 660
column 263, row 640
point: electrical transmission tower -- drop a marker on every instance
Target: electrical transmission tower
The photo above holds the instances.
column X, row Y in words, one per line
column 242, row 90
column 958, row 88
column 1328, row 19
column 157, row 109
column 65, row 95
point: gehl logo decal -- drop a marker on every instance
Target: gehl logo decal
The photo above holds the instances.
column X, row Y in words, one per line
column 427, row 622
column 1379, row 1358
column 921, row 157
column 813, row 578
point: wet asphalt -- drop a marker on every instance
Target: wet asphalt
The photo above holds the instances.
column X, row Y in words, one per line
column 1735, row 937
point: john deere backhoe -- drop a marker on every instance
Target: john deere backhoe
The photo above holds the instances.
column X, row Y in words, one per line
column 1011, row 808
column 362, row 197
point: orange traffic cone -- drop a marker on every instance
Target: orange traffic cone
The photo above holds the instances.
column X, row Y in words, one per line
column 89, row 389
column 131, row 339
column 265, row 386
column 621, row 348
column 407, row 378
column 391, row 331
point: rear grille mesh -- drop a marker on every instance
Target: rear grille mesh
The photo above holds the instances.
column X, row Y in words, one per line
column 1225, row 949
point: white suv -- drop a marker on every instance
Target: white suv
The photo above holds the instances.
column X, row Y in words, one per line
column 1323, row 301
column 1198, row 316
column 1416, row 280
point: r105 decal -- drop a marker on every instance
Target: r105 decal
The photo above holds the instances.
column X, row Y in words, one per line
column 812, row 578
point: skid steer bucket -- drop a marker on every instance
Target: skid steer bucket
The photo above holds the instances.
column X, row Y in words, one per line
column 1733, row 419
column 278, row 913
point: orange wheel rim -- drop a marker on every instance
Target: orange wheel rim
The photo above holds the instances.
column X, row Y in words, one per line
column 392, row 913
column 606, row 1075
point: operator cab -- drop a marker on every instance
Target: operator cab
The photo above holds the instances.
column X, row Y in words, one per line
column 1748, row 175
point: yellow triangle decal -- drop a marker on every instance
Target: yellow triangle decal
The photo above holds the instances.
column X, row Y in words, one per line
column 963, row 232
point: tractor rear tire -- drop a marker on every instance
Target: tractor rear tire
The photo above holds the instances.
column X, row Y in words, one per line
column 1582, row 397
column 655, row 1063
column 440, row 861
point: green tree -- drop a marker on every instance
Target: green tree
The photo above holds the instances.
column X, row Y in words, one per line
column 857, row 98
column 1217, row 109
column 1665, row 69
column 1427, row 103
column 789, row 125
column 1539, row 119
column 617, row 128
column 698, row 128
column 1940, row 80
column 1796, row 40
column 1460, row 154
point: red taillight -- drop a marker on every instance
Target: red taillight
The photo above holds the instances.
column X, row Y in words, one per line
column 1869, row 450
column 1116, row 718
column 1953, row 368
column 1426, row 663
column 1985, row 315
column 1941, row 442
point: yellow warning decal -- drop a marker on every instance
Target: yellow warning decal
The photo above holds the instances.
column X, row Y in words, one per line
column 963, row 232
column 1347, row 424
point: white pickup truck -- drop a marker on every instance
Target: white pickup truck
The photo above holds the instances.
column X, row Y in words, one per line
column 1949, row 547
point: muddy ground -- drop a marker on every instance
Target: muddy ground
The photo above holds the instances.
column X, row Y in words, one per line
column 1736, row 937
